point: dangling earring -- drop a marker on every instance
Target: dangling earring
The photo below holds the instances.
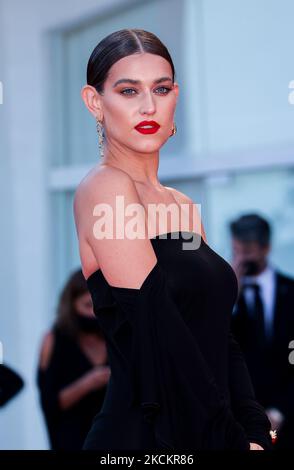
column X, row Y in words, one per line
column 99, row 128
column 174, row 130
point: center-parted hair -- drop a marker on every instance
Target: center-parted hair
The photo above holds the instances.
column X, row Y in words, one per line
column 118, row 45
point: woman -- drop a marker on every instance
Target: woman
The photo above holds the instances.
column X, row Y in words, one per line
column 73, row 370
column 178, row 379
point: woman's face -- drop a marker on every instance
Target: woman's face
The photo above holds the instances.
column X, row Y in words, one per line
column 145, row 92
column 84, row 305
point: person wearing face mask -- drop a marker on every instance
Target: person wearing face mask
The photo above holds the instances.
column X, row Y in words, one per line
column 263, row 322
column 73, row 369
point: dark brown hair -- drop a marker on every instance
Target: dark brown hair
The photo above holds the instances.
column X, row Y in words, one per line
column 118, row 45
column 75, row 287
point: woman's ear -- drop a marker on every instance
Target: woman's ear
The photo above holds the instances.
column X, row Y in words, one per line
column 176, row 89
column 92, row 101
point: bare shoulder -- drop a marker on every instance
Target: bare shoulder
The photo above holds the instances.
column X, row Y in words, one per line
column 102, row 182
column 101, row 185
column 107, row 237
column 46, row 350
column 182, row 198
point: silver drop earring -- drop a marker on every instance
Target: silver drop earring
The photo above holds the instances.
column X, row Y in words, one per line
column 174, row 130
column 99, row 128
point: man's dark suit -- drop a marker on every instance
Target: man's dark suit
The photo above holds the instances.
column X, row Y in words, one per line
column 268, row 362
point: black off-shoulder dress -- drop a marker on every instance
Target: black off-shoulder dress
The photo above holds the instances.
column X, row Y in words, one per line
column 178, row 378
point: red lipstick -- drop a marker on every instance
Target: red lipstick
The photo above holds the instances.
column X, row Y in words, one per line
column 147, row 127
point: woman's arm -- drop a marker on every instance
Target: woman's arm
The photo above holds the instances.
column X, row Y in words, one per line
column 53, row 397
column 95, row 379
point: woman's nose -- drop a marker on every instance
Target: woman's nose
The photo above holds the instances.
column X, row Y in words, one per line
column 148, row 104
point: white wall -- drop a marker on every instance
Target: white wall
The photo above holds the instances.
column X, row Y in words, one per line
column 24, row 208
column 9, row 314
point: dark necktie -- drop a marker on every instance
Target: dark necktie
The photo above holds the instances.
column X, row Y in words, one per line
column 257, row 315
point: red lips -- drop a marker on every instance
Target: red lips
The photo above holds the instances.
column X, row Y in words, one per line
column 152, row 127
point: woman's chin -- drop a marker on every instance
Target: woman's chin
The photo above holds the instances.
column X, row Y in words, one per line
column 149, row 147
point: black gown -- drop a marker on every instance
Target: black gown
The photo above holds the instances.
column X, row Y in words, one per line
column 67, row 429
column 178, row 378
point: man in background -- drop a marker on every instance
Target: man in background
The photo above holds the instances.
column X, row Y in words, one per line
column 263, row 322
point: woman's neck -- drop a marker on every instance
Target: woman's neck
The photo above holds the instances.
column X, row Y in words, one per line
column 142, row 168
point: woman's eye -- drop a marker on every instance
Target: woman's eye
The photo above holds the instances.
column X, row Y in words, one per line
column 163, row 90
column 166, row 90
column 123, row 92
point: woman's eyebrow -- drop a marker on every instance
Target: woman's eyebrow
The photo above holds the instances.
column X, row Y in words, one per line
column 138, row 82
